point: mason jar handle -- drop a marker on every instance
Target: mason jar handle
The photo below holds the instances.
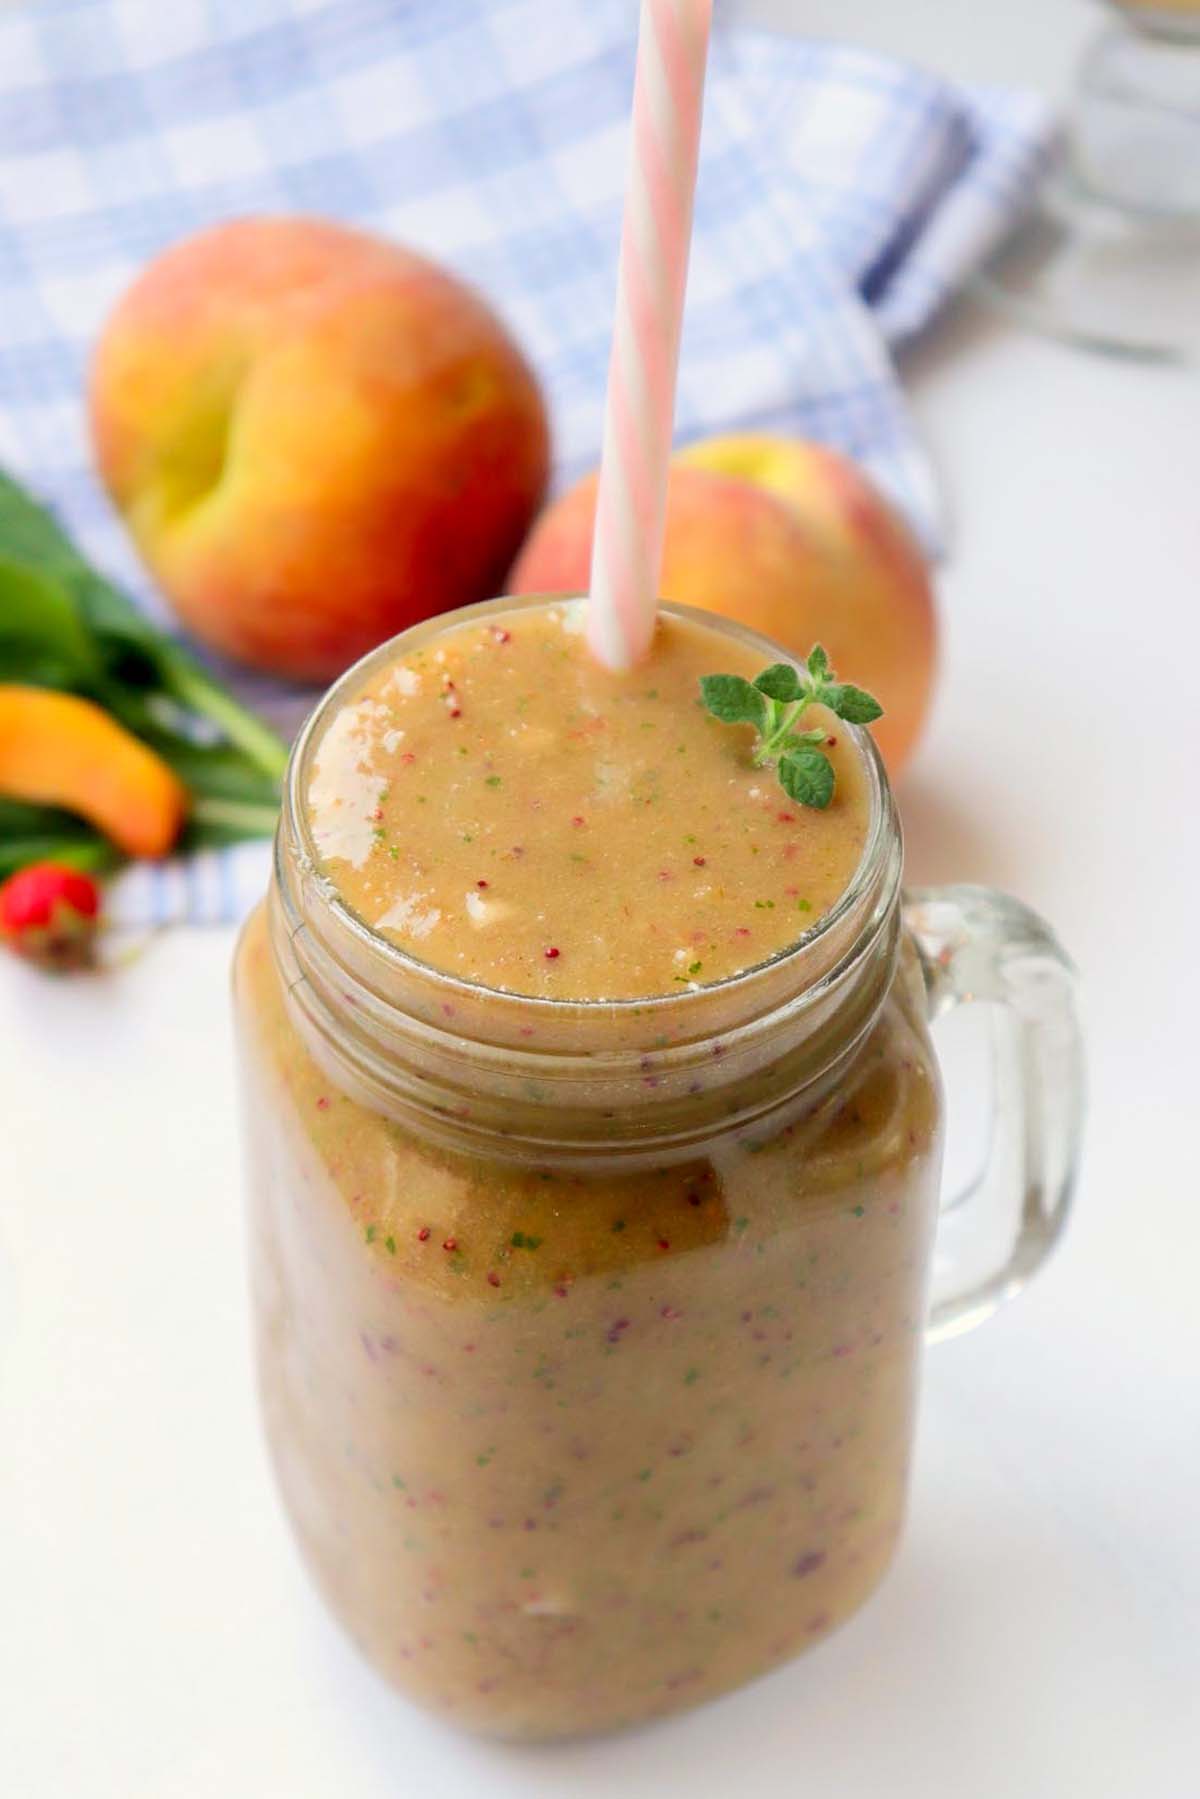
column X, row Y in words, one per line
column 981, row 947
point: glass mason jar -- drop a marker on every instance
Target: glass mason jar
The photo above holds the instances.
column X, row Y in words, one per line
column 589, row 1333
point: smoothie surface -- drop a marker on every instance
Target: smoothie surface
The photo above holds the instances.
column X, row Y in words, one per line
column 506, row 810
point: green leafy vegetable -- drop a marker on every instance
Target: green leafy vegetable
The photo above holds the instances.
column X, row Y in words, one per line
column 64, row 626
column 779, row 682
column 806, row 776
column 774, row 703
column 733, row 700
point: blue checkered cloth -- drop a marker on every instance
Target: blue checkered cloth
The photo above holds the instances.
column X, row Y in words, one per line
column 842, row 199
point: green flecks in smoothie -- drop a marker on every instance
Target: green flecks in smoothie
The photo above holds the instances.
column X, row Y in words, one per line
column 858, row 1211
column 371, row 1232
column 522, row 1240
column 618, row 1224
column 389, row 1243
column 611, row 1420
column 397, row 1482
column 555, row 759
column 645, row 1473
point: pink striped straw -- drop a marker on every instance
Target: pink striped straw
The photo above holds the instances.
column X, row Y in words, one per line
column 639, row 416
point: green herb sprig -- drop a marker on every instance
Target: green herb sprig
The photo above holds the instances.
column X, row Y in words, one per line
column 774, row 703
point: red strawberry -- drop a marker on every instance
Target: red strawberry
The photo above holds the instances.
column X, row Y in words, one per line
column 48, row 914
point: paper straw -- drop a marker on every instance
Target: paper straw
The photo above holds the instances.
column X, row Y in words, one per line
column 640, row 410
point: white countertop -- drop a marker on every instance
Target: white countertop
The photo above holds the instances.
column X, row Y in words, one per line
column 1040, row 1634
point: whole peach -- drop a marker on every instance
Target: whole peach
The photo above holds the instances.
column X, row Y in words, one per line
column 791, row 540
column 315, row 437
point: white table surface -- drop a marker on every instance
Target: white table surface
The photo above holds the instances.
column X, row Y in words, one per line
column 1040, row 1634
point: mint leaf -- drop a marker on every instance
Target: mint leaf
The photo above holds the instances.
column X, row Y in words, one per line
column 851, row 703
column 733, row 700
column 780, row 682
column 807, row 777
column 774, row 703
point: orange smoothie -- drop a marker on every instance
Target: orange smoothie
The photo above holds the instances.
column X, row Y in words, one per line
column 499, row 805
column 594, row 1137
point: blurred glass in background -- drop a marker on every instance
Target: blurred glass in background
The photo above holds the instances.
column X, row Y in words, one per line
column 1111, row 259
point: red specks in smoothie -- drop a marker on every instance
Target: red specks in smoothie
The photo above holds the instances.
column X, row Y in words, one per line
column 698, row 861
column 664, row 1243
column 450, row 1244
column 323, row 1104
column 493, row 1278
column 832, row 742
column 670, row 1313
column 578, row 822
column 664, row 874
column 498, row 634
column 408, row 758
column 742, row 931
column 551, row 953
column 684, row 1679
column 617, row 1330
column 423, row 1234
column 482, row 885
column 786, row 818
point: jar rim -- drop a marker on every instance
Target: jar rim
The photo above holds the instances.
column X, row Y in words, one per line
column 389, row 957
